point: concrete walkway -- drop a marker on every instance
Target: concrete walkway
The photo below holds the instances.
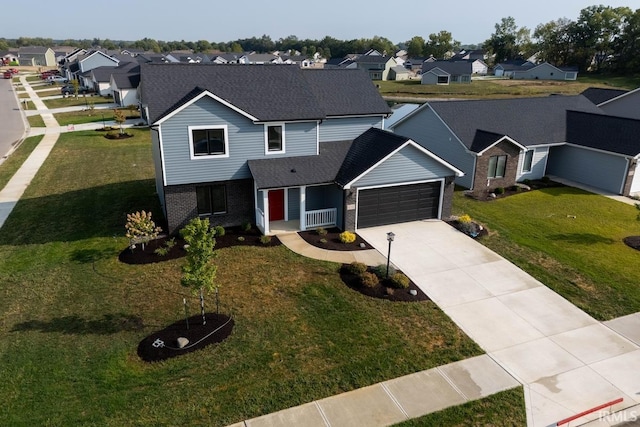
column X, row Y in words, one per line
column 16, row 186
column 567, row 361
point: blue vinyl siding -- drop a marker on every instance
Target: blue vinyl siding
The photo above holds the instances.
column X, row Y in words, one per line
column 96, row 61
column 246, row 141
column 538, row 165
column 593, row 168
column 407, row 165
column 426, row 128
column 293, row 197
column 344, row 129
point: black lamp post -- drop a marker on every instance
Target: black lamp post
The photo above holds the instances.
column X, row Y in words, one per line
column 390, row 237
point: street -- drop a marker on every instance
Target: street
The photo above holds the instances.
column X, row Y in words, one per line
column 11, row 122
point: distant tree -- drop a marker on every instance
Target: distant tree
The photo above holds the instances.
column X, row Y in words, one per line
column 76, row 85
column 554, row 41
column 202, row 46
column 439, row 44
column 627, row 46
column 4, row 45
column 382, row 45
column 509, row 42
column 236, row 47
column 415, row 47
column 198, row 273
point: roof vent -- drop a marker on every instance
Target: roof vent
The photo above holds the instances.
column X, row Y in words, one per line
column 293, row 170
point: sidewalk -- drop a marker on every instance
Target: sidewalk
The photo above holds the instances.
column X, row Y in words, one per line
column 397, row 400
column 17, row 185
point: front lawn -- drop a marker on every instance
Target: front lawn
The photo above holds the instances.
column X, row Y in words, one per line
column 91, row 116
column 571, row 241
column 73, row 101
column 36, row 121
column 72, row 315
column 17, row 158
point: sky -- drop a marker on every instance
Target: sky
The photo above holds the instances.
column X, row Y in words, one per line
column 469, row 21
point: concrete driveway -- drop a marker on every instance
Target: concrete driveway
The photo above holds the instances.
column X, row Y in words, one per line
column 567, row 361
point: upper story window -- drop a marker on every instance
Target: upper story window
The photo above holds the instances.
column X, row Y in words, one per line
column 528, row 161
column 208, row 141
column 497, row 166
column 274, row 139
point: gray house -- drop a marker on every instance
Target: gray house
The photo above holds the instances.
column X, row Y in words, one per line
column 446, row 72
column 546, row 71
column 500, row 142
column 616, row 102
column 284, row 148
column 37, row 56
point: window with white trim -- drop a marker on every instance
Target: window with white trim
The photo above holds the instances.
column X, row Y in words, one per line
column 528, row 161
column 212, row 199
column 274, row 138
column 208, row 141
column 443, row 80
column 497, row 166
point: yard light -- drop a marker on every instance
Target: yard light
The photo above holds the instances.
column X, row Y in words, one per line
column 390, row 237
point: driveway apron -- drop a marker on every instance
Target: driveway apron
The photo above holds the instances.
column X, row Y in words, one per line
column 567, row 361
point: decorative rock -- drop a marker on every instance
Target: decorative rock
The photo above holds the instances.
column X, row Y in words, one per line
column 493, row 195
column 182, row 342
column 413, row 292
column 362, row 245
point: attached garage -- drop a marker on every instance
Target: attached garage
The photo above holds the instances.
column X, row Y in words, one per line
column 402, row 203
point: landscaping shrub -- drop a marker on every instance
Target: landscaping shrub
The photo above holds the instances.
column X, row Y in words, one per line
column 464, row 219
column 499, row 190
column 164, row 250
column 381, row 271
column 321, row 231
column 246, row 226
column 265, row 240
column 347, row 237
column 399, row 281
column 220, row 231
column 323, row 241
column 240, row 238
column 141, row 228
column 357, row 268
column 369, row 280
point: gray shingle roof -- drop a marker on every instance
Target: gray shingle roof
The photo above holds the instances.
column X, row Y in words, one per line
column 615, row 134
column 127, row 80
column 455, row 68
column 301, row 170
column 367, row 150
column 529, row 121
column 267, row 92
column 599, row 95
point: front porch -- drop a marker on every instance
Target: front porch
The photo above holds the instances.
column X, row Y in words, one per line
column 285, row 210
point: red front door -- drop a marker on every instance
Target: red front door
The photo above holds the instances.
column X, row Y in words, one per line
column 276, row 205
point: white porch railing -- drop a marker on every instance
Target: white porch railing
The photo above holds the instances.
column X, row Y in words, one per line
column 321, row 218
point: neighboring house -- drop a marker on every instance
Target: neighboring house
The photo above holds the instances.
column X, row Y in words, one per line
column 399, row 73
column 37, row 56
column 376, row 65
column 415, row 64
column 100, row 77
column 478, row 66
column 9, row 57
column 500, row 142
column 124, row 87
column 616, row 102
column 546, row 71
column 446, row 72
column 284, row 147
column 79, row 67
column 507, row 69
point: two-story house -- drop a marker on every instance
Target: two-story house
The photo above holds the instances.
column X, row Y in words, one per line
column 284, row 148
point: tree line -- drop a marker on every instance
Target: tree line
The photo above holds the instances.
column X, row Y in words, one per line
column 602, row 38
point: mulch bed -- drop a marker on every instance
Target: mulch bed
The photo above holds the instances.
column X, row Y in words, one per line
column 479, row 229
column 382, row 290
column 333, row 242
column 233, row 237
column 632, row 242
column 493, row 194
column 163, row 344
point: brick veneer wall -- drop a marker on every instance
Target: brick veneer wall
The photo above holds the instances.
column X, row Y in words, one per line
column 181, row 204
column 447, row 197
column 481, row 183
column 349, row 214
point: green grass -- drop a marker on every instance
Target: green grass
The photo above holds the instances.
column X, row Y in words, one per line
column 583, row 259
column 72, row 315
column 86, row 116
column 501, row 409
column 36, row 121
column 72, row 101
column 502, row 88
column 13, row 162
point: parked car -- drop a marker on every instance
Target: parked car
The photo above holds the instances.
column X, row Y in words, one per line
column 45, row 74
column 69, row 90
column 7, row 74
column 13, row 70
column 57, row 79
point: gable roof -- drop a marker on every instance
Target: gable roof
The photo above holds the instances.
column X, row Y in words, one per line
column 302, row 170
column 602, row 132
column 103, row 73
column 600, row 95
column 529, row 121
column 455, row 68
column 265, row 92
column 33, row 50
column 126, row 80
